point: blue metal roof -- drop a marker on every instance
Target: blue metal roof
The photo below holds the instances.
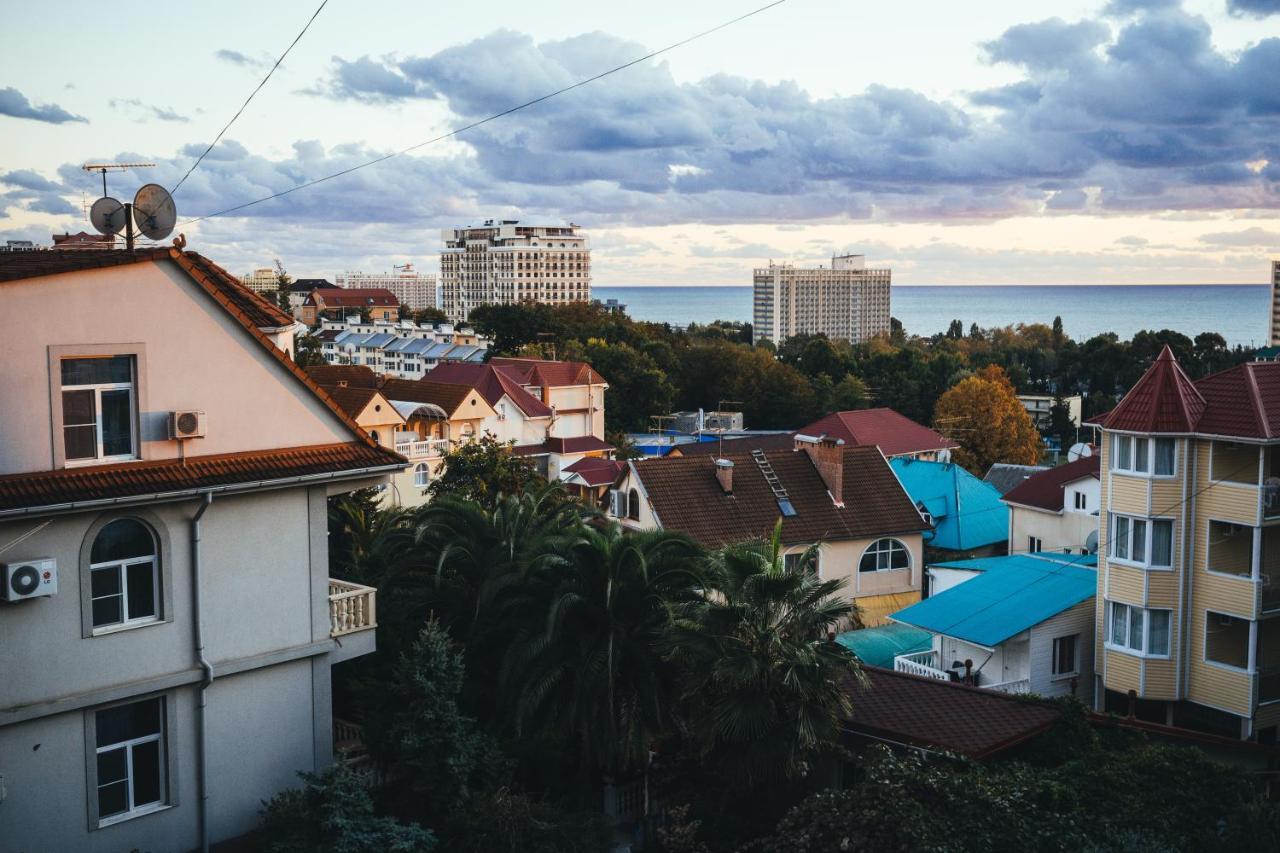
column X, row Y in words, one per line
column 981, row 564
column 880, row 645
column 967, row 513
column 1012, row 594
column 438, row 350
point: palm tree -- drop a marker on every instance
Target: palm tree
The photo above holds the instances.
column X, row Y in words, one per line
column 764, row 689
column 592, row 670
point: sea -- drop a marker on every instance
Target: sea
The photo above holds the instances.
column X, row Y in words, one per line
column 1238, row 312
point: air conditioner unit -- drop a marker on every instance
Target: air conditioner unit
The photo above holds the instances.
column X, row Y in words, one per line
column 29, row 579
column 186, row 425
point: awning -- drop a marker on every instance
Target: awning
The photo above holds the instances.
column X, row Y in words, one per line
column 877, row 608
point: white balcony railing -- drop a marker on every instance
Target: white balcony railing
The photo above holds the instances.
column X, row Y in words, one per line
column 1022, row 685
column 352, row 607
column 430, row 448
column 922, row 664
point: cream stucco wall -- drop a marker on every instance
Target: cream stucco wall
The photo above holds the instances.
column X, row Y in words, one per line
column 1057, row 531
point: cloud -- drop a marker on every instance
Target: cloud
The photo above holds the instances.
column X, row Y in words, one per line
column 1047, row 44
column 1124, row 8
column 29, row 180
column 14, row 103
column 145, row 111
column 1253, row 8
column 235, row 57
column 1249, row 238
column 1132, row 241
column 746, row 250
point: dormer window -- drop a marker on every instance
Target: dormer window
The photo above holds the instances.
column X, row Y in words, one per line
column 99, row 409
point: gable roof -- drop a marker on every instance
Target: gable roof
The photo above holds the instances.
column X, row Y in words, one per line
column 552, row 374
column 447, row 395
column 1047, row 489
column 941, row 715
column 351, row 375
column 492, row 383
column 686, row 496
column 354, row 401
column 353, row 297
column 967, row 513
column 1014, row 593
column 594, row 470
column 893, row 433
column 1005, row 476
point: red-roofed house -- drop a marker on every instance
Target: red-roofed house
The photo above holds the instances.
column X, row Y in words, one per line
column 1056, row 509
column 381, row 303
column 894, row 434
column 1189, row 563
column 168, row 619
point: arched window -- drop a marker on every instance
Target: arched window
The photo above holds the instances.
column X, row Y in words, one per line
column 633, row 505
column 885, row 555
column 123, row 575
column 422, row 475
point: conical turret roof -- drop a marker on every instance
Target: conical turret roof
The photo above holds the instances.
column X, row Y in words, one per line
column 1163, row 400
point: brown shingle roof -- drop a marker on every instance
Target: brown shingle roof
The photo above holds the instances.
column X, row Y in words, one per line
column 941, row 715
column 447, row 395
column 553, row 374
column 894, row 434
column 351, row 375
column 578, row 444
column 1046, row 489
column 742, row 444
column 353, row 297
column 351, row 400
column 152, row 479
column 596, row 470
column 687, row 497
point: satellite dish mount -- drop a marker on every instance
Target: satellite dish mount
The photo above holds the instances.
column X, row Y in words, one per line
column 152, row 210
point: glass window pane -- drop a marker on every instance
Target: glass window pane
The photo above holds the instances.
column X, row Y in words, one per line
column 112, row 766
column 1162, row 543
column 117, row 422
column 127, row 722
column 113, row 799
column 1140, row 451
column 78, row 408
column 146, row 773
column 80, row 442
column 97, row 371
column 1165, row 451
column 1121, row 547
column 1159, row 632
column 106, row 611
column 142, row 590
column 1139, row 551
column 1119, row 624
column 1124, row 450
column 123, row 539
column 1135, row 631
column 105, row 581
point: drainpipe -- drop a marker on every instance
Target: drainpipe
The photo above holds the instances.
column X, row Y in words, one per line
column 206, row 668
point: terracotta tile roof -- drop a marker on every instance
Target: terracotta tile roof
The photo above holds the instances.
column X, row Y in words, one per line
column 686, row 496
column 1163, row 400
column 553, row 374
column 353, row 401
column 894, row 434
column 447, row 395
column 596, row 470
column 353, row 297
column 263, row 312
column 941, row 715
column 492, row 383
column 578, row 444
column 351, row 375
column 1047, row 489
column 736, row 444
column 152, row 479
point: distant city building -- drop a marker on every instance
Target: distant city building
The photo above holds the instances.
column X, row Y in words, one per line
column 261, row 280
column 415, row 290
column 845, row 301
column 1040, row 407
column 300, row 289
column 19, row 246
column 402, row 348
column 1274, row 325
column 612, row 306
column 84, row 240
column 505, row 261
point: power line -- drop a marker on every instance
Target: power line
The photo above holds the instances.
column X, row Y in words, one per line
column 251, row 94
column 487, row 119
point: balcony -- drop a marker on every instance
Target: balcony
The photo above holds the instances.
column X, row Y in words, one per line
column 923, row 664
column 425, row 449
column 353, row 614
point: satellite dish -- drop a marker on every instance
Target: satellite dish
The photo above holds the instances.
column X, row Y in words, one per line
column 154, row 212
column 1091, row 542
column 107, row 215
column 1079, row 450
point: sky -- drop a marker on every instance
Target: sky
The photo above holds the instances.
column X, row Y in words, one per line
column 1129, row 141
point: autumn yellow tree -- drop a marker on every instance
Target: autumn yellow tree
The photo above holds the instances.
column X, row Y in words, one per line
column 982, row 413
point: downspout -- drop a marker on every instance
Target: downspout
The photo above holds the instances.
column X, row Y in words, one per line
column 202, row 765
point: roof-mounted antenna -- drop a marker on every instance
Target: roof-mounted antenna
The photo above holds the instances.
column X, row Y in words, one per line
column 152, row 209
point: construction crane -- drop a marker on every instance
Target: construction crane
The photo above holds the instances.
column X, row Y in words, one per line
column 112, row 167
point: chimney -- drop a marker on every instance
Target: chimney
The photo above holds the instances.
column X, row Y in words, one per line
column 724, row 475
column 827, row 455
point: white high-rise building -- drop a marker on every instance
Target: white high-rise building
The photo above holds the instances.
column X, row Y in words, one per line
column 415, row 290
column 504, row 261
column 846, row 300
column 261, row 280
column 1275, row 303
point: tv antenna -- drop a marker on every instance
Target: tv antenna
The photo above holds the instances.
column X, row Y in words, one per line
column 152, row 210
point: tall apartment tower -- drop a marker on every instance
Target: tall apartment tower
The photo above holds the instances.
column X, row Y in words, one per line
column 1274, row 325
column 261, row 280
column 846, row 300
column 416, row 290
column 505, row 261
column 1188, row 603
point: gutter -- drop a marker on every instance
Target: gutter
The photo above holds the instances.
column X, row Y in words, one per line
column 183, row 494
column 206, row 668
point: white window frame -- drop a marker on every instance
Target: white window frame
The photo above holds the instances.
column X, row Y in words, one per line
column 122, row 568
column 97, row 388
column 165, row 758
column 1204, row 645
column 874, row 549
column 1130, row 611
column 419, row 480
column 1075, row 657
column 1081, row 501
column 1035, row 545
column 1147, row 541
column 1130, row 444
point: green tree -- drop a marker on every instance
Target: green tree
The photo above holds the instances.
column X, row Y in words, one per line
column 283, row 280
column 430, row 317
column 308, row 351
column 638, row 388
column 848, row 394
column 482, row 471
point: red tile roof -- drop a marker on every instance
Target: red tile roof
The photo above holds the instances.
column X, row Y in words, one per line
column 596, row 470
column 492, row 382
column 351, row 375
column 894, row 434
column 737, row 444
column 353, row 401
column 1163, row 400
column 151, row 480
column 353, row 297
column 941, row 715
column 578, row 444
column 1047, row 489
column 686, row 496
column 552, row 374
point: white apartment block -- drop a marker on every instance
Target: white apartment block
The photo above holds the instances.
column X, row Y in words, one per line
column 414, row 289
column 505, row 261
column 1274, row 326
column 261, row 280
column 844, row 301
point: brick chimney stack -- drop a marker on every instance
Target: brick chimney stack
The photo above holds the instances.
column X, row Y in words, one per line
column 827, row 455
column 724, row 475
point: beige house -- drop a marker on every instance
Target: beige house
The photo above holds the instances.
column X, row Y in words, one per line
column 844, row 499
column 1056, row 510
column 1189, row 562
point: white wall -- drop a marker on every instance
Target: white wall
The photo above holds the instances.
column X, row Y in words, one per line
column 1078, row 620
column 942, row 580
